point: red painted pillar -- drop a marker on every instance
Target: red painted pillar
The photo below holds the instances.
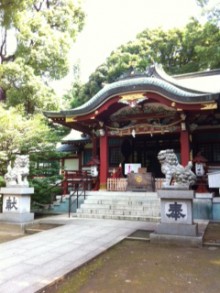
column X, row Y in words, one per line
column 103, row 172
column 185, row 147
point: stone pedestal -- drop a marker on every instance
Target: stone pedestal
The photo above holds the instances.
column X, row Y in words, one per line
column 176, row 224
column 16, row 205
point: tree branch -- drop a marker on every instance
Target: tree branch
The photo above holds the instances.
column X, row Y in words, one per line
column 2, row 48
column 39, row 7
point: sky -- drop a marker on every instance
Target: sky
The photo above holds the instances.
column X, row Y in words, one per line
column 111, row 23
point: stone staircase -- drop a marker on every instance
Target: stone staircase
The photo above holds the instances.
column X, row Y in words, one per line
column 59, row 206
column 136, row 206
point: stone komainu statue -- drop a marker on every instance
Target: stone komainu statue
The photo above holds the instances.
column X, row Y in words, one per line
column 17, row 176
column 173, row 171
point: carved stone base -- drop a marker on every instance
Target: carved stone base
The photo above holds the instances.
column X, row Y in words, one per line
column 16, row 205
column 192, row 241
column 20, row 218
column 177, row 229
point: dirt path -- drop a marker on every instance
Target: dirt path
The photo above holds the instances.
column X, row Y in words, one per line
column 4, row 237
column 8, row 235
column 138, row 266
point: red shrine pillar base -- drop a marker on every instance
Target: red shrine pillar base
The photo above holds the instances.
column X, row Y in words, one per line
column 103, row 172
column 103, row 186
column 96, row 185
column 185, row 148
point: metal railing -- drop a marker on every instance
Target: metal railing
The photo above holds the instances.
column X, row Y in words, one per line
column 79, row 189
column 1, row 203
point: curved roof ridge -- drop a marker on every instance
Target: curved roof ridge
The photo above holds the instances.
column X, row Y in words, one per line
column 137, row 84
column 161, row 73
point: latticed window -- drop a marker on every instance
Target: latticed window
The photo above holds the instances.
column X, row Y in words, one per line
column 115, row 156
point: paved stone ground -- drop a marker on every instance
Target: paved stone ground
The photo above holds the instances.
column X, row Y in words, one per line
column 30, row 263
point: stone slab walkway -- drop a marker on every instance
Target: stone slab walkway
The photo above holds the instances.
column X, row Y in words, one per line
column 30, row 263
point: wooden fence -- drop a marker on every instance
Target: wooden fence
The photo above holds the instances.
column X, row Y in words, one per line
column 158, row 183
column 117, row 184
column 120, row 184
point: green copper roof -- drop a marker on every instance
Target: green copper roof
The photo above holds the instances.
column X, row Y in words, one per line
column 138, row 84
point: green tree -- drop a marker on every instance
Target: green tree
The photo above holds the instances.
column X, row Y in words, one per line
column 24, row 135
column 31, row 135
column 43, row 32
column 210, row 10
column 193, row 48
column 149, row 46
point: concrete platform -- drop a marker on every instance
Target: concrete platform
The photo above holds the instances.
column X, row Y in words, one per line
column 30, row 263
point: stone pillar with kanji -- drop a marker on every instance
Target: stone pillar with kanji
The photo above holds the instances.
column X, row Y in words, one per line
column 17, row 193
column 176, row 212
column 177, row 225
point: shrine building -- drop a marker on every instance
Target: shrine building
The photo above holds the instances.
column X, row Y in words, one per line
column 130, row 120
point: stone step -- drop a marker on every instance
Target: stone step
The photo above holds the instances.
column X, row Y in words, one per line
column 121, row 201
column 144, row 206
column 126, row 195
column 141, row 206
column 143, row 213
column 122, row 198
column 121, row 195
column 121, row 206
column 120, row 217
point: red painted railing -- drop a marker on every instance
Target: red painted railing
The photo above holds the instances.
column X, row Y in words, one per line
column 75, row 179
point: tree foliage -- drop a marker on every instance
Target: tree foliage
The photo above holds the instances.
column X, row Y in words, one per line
column 31, row 135
column 193, row 48
column 36, row 37
column 210, row 10
column 25, row 135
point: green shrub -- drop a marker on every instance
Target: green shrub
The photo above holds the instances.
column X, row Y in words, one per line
column 2, row 181
column 45, row 189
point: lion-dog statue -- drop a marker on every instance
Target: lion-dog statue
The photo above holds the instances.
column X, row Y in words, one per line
column 17, row 175
column 175, row 174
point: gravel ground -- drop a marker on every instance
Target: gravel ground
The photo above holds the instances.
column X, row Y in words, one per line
column 139, row 266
